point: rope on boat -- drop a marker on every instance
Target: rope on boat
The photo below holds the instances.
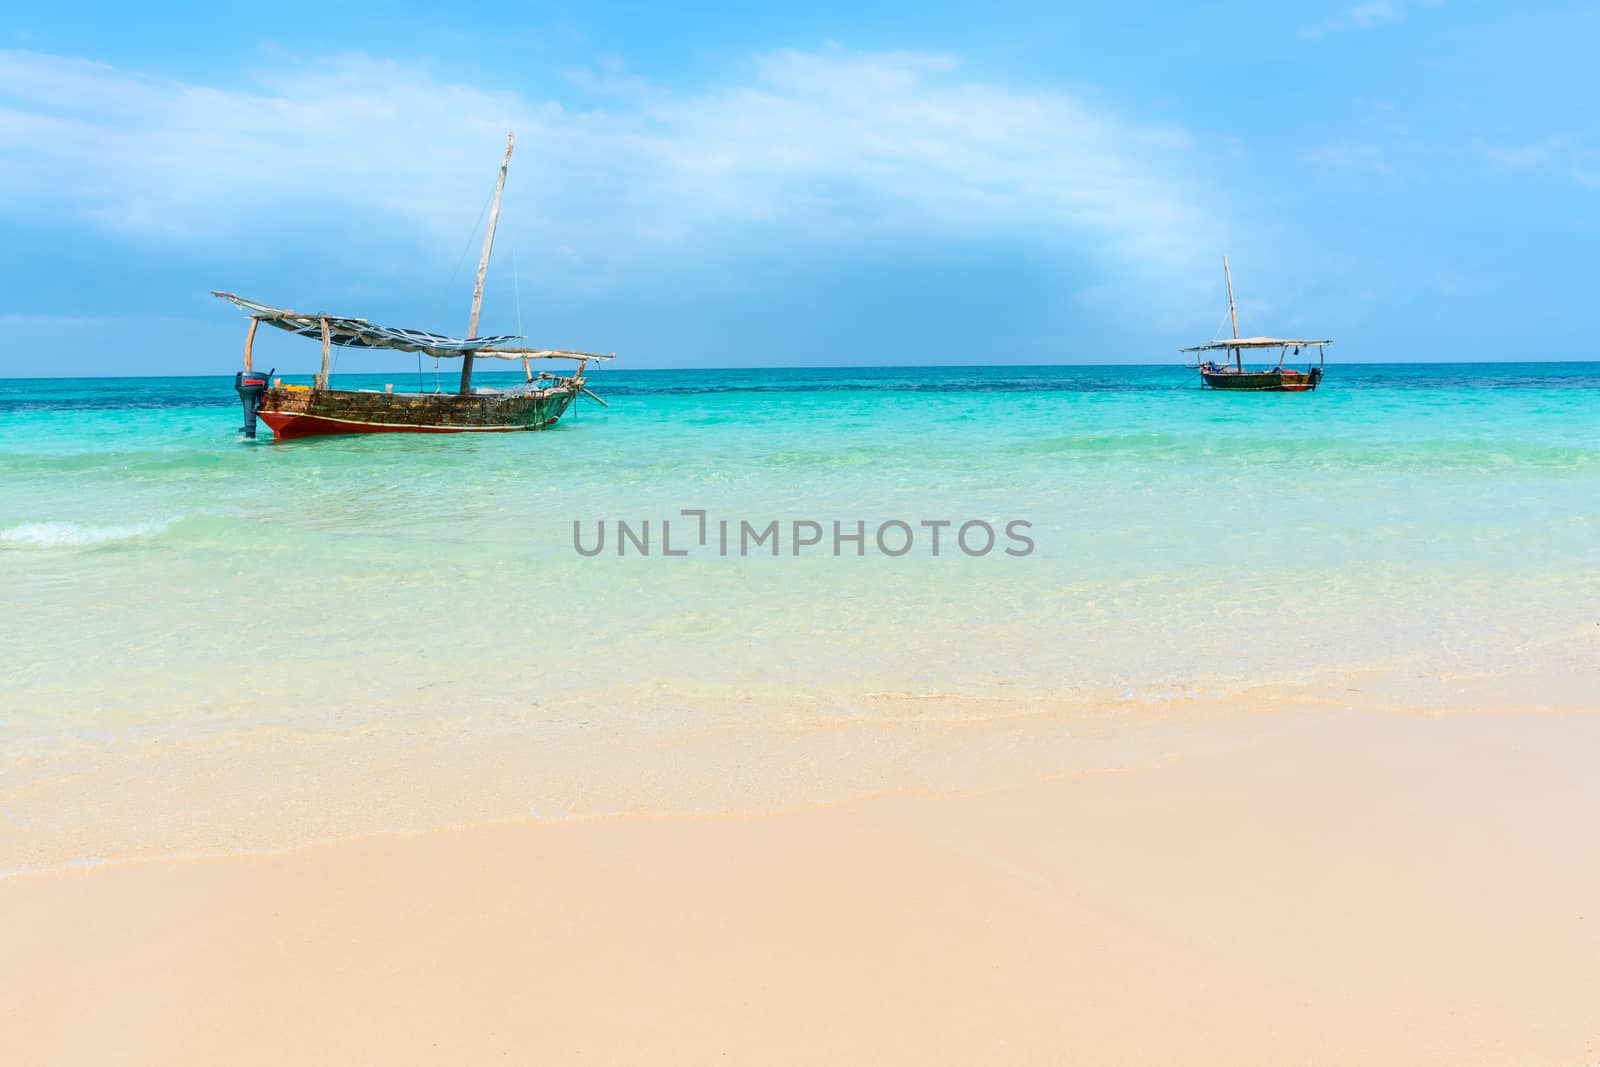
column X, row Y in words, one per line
column 516, row 292
column 1220, row 325
column 444, row 295
column 516, row 289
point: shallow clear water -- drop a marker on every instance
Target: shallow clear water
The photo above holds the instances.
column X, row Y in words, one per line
column 162, row 576
column 156, row 567
column 212, row 644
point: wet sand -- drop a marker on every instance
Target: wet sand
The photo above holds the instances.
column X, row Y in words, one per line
column 1332, row 887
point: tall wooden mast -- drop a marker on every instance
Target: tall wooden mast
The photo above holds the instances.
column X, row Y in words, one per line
column 483, row 265
column 1238, row 358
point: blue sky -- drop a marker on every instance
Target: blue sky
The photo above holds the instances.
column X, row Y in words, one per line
column 826, row 184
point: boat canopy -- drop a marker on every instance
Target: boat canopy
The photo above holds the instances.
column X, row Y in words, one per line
column 1254, row 342
column 359, row 333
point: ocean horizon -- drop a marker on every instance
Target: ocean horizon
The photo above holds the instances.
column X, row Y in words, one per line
column 606, row 370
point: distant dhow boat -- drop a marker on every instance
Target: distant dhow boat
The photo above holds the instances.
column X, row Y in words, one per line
column 305, row 411
column 1231, row 372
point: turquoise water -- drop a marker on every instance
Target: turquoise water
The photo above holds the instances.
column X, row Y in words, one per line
column 1404, row 531
column 1401, row 515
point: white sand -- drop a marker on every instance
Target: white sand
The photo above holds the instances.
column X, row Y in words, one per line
column 1346, row 887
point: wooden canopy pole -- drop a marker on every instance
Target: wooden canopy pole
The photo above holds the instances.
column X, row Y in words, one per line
column 322, row 376
column 250, row 342
column 483, row 264
column 1238, row 356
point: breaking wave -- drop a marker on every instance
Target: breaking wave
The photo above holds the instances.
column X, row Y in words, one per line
column 75, row 534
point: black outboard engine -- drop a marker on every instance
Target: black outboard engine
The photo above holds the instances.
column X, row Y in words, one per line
column 250, row 385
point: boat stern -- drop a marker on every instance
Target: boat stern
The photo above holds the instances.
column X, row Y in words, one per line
column 251, row 387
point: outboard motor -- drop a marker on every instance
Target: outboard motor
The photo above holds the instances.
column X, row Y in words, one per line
column 250, row 385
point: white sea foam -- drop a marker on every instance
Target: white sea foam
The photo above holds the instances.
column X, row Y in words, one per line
column 75, row 534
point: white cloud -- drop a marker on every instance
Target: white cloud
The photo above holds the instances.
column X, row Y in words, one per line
column 1557, row 156
column 1518, row 157
column 1368, row 15
column 1349, row 156
column 1375, row 13
column 1567, row 155
column 833, row 141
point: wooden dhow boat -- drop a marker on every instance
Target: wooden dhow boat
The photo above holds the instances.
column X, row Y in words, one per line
column 304, row 411
column 1231, row 373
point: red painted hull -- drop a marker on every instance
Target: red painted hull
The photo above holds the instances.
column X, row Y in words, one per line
column 288, row 425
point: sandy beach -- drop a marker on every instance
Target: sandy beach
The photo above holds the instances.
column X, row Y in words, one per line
column 1061, row 536
column 1337, row 886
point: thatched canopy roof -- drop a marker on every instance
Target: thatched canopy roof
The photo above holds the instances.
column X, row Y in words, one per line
column 359, row 333
column 1254, row 342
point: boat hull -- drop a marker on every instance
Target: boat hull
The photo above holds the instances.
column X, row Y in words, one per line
column 1262, row 381
column 295, row 413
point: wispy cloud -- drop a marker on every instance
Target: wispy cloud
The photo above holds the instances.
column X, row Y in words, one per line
column 1349, row 156
column 1368, row 15
column 1519, row 156
column 1565, row 155
column 831, row 140
column 1559, row 157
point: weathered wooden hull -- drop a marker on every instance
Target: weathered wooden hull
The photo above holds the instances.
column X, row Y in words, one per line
column 1263, row 381
column 295, row 413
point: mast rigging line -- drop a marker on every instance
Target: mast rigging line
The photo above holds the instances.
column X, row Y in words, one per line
column 444, row 294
